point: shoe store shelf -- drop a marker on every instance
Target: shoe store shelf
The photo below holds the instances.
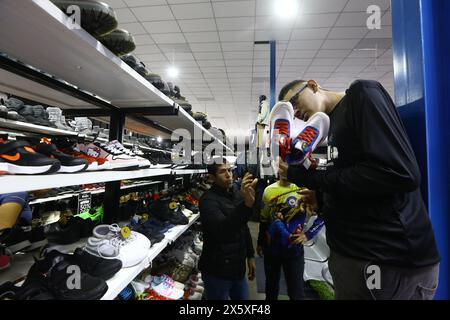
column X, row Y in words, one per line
column 16, row 183
column 33, row 128
column 102, row 190
column 70, row 53
column 125, row 276
column 22, row 261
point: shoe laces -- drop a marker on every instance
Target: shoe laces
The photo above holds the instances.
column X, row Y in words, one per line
column 111, row 149
column 282, row 127
column 308, row 135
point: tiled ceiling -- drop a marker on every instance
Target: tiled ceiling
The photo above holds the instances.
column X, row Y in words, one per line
column 223, row 73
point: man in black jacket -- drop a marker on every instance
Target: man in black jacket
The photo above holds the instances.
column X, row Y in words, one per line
column 227, row 243
column 381, row 239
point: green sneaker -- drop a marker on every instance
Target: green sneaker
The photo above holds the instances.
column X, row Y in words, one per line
column 96, row 215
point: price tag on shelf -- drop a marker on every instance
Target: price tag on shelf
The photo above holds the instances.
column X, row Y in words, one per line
column 125, row 232
column 84, row 202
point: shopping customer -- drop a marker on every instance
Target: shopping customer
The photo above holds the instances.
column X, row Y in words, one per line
column 283, row 231
column 227, row 244
column 381, row 239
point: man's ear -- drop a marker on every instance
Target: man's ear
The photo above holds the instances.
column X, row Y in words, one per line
column 313, row 85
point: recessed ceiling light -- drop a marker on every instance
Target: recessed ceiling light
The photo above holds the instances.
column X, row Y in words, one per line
column 286, row 9
column 159, row 139
column 172, row 72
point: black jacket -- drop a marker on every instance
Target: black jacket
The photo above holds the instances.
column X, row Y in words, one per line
column 227, row 242
column 372, row 204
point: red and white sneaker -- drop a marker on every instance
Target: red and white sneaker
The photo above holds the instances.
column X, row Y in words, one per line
column 117, row 159
column 281, row 118
column 293, row 139
column 314, row 132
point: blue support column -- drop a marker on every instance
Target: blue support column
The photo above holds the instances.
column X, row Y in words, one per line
column 435, row 17
column 273, row 75
column 421, row 44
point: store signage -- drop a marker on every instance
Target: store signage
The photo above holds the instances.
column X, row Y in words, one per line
column 84, row 202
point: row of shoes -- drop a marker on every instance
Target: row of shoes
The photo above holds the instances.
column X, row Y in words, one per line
column 100, row 20
column 49, row 277
column 20, row 157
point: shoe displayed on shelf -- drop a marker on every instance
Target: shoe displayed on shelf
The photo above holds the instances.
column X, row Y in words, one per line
column 119, row 42
column 8, row 291
column 3, row 111
column 111, row 241
column 167, row 290
column 134, row 63
column 69, row 164
column 156, row 280
column 69, row 232
column 167, row 210
column 53, row 272
column 37, row 238
column 17, row 157
column 152, row 234
column 117, row 159
column 55, row 116
column 155, row 80
column 94, row 214
column 97, row 18
column 90, row 264
column 143, row 163
column 16, row 238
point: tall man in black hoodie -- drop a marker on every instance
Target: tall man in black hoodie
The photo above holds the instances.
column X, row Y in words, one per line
column 381, row 239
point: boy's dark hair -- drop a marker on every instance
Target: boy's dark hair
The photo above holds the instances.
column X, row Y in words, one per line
column 216, row 162
column 288, row 87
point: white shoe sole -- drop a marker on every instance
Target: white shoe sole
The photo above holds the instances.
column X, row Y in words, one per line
column 72, row 169
column 123, row 166
column 92, row 166
column 15, row 169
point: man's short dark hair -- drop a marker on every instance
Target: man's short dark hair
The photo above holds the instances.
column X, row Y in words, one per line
column 215, row 163
column 288, row 87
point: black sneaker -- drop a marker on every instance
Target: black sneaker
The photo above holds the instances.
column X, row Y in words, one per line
column 69, row 164
column 54, row 272
column 8, row 291
column 16, row 157
column 67, row 233
column 119, row 42
column 134, row 63
column 167, row 210
column 3, row 111
column 16, row 238
column 97, row 18
column 90, row 264
column 37, row 238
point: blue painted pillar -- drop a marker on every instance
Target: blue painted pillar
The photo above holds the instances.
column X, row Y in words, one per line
column 435, row 17
column 421, row 44
column 273, row 75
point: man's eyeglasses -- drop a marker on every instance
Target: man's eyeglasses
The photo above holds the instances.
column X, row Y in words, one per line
column 294, row 98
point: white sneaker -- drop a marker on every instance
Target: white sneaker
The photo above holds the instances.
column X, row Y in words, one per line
column 166, row 290
column 116, row 158
column 108, row 243
column 143, row 163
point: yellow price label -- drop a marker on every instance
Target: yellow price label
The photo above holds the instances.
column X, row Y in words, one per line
column 173, row 205
column 125, row 232
column 144, row 217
